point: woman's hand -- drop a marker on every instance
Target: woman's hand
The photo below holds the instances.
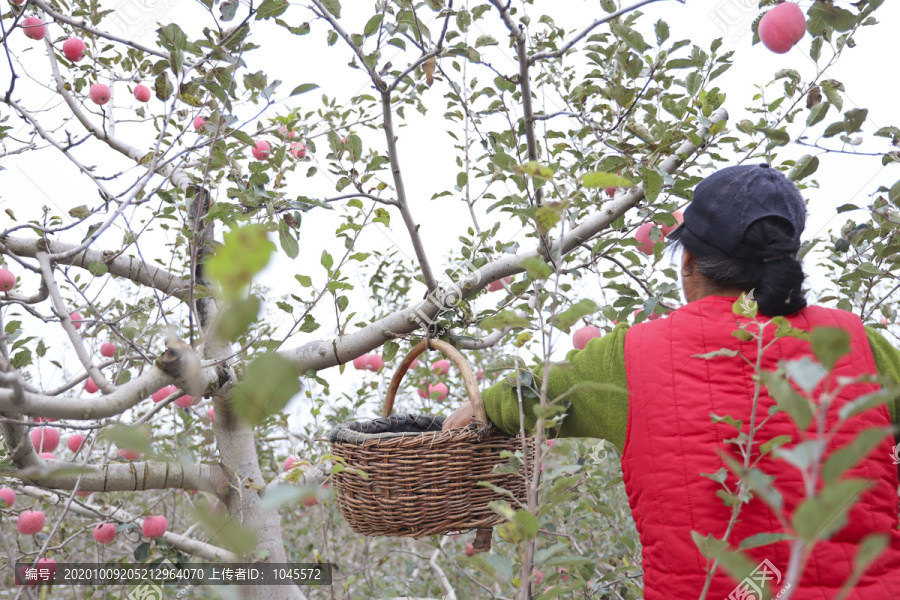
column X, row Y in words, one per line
column 461, row 417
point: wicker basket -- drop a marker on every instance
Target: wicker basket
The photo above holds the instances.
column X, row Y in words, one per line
column 424, row 481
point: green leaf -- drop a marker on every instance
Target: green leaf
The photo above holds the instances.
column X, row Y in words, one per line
column 571, row 315
column 788, row 399
column 830, row 88
column 305, row 280
column 327, row 261
column 309, row 324
column 738, row 565
column 867, row 401
column 602, row 179
column 245, row 253
column 535, row 169
column 536, row 268
column 805, row 372
column 288, row 242
column 236, row 319
column 869, row 549
column 503, row 319
column 548, row 215
column 662, row 31
column 303, row 88
column 163, row 86
column 269, row 382
column 354, row 147
column 333, row 6
column 745, row 306
column 829, row 344
column 847, row 456
column 653, row 184
column 822, row 516
column 817, row 113
column 763, row 539
column 135, row 438
column 271, row 8
column 282, row 495
column 372, row 24
column 736, row 423
column 389, row 351
column 834, row 16
column 171, row 37
column 804, row 167
column 98, row 268
column 630, row 36
column 526, row 525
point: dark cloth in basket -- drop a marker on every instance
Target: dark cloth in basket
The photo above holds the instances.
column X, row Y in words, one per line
column 356, row 432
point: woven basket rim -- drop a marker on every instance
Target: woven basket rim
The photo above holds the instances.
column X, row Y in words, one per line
column 428, row 426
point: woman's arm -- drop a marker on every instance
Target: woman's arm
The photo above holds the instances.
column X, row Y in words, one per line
column 596, row 413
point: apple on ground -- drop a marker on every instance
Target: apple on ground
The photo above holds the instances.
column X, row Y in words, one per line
column 782, row 27
column 441, row 367
column 105, row 533
column 100, row 94
column 154, row 526
column 582, row 336
column 34, row 28
column 30, row 522
column 141, row 93
column 73, row 49
column 8, row 496
column 7, row 280
column 261, row 150
column 496, row 286
column 107, row 349
column 75, row 442
column 45, row 439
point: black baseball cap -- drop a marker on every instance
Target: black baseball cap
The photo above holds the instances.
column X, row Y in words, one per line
column 727, row 202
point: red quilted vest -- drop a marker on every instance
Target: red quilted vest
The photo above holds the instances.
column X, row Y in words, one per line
column 671, row 440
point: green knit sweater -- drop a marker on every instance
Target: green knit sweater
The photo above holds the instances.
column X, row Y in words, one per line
column 603, row 413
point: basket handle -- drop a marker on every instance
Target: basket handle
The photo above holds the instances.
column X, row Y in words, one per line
column 456, row 358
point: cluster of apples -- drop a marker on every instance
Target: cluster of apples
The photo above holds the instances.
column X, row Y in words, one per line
column 368, row 362
column 184, row 401
column 642, row 235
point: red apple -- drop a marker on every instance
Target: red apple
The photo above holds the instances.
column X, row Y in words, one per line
column 8, row 496
column 423, row 391
column 360, row 362
column 198, row 122
column 643, row 237
column 470, row 550
column 34, row 28
column 73, row 48
column 47, row 456
column 83, row 493
column 283, row 132
column 441, row 367
column 440, row 389
column 374, row 362
column 582, row 336
column 309, row 500
column 142, row 93
column 45, row 439
column 261, row 151
column 155, row 526
column 105, row 533
column 107, row 349
column 18, row 2
column 298, row 149
column 100, row 93
column 679, row 218
column 128, row 454
column 76, row 319
column 496, row 286
column 414, row 363
column 550, row 443
column 163, row 393
column 884, row 321
column 30, row 522
column 782, row 27
column 90, row 387
column 479, row 375
column 289, row 463
column 46, row 569
column 184, row 401
column 211, row 413
column 537, row 577
column 75, row 442
column 7, row 280
column 563, row 570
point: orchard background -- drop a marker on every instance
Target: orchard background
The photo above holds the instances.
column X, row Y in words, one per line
column 415, row 150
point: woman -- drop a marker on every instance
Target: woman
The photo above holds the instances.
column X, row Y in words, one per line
column 740, row 233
